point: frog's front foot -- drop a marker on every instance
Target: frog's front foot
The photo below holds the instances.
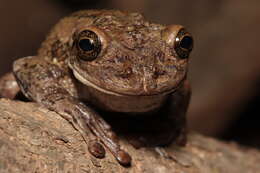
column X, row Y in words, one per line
column 93, row 129
column 104, row 133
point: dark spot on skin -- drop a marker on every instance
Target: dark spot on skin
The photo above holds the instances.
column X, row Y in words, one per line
column 102, row 20
column 158, row 72
column 49, row 74
column 96, row 149
column 126, row 73
column 25, row 65
column 160, row 55
column 54, row 48
column 59, row 50
column 32, row 66
column 122, row 58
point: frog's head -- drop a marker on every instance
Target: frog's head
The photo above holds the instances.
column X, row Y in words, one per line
column 123, row 54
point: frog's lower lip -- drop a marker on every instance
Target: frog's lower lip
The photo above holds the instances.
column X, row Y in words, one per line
column 90, row 84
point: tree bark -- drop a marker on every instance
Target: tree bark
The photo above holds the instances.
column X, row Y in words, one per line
column 34, row 139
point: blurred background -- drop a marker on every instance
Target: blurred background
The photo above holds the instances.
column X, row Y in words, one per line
column 225, row 64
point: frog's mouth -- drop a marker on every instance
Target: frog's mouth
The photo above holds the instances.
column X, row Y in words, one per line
column 88, row 83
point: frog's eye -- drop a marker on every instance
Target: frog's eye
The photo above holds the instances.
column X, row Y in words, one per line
column 88, row 45
column 183, row 44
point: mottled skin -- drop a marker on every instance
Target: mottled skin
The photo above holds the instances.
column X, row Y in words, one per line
column 136, row 70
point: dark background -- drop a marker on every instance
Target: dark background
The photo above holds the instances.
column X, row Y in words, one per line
column 225, row 64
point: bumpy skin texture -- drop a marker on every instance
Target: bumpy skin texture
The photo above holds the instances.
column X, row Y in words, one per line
column 136, row 71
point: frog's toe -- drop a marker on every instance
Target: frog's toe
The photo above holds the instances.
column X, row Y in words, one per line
column 96, row 149
column 123, row 158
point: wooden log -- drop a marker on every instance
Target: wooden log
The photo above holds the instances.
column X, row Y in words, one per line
column 34, row 139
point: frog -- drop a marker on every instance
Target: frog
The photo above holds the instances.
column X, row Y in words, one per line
column 109, row 63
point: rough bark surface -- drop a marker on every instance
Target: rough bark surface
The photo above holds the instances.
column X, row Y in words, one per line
column 34, row 139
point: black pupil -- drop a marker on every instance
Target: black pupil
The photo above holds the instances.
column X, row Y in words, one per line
column 86, row 45
column 186, row 42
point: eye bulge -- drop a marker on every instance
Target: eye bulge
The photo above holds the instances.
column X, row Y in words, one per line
column 183, row 44
column 88, row 45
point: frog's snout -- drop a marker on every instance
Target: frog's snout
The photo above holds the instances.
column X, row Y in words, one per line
column 157, row 81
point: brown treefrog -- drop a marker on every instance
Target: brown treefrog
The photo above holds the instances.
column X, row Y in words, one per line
column 101, row 63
